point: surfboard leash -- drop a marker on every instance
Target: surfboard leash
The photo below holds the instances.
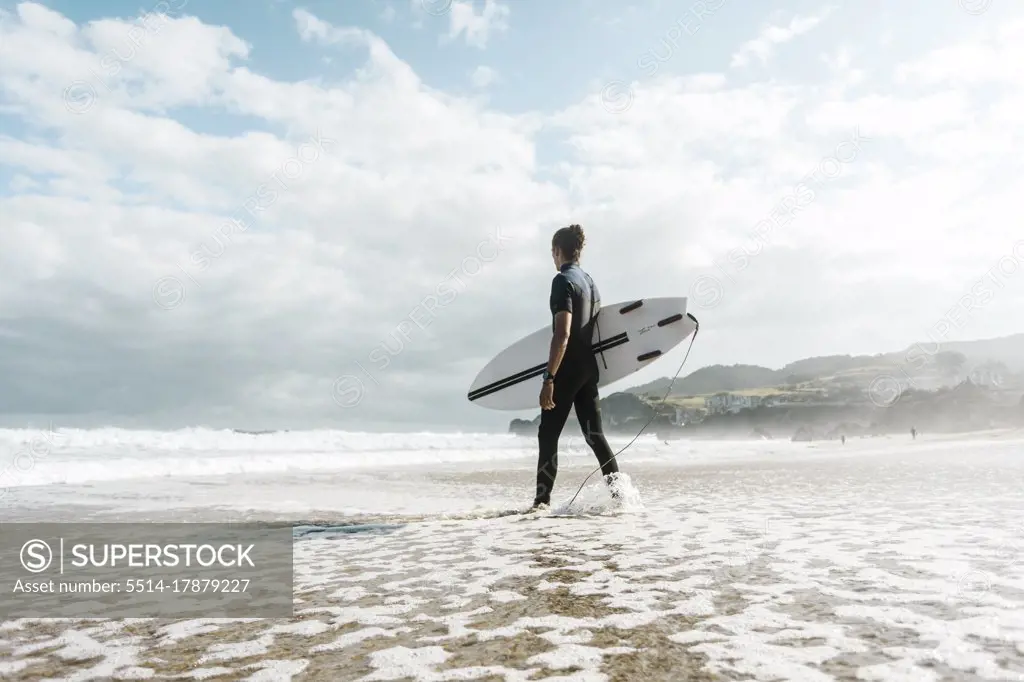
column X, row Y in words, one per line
column 654, row 413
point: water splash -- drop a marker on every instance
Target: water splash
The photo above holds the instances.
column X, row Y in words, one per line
column 618, row 495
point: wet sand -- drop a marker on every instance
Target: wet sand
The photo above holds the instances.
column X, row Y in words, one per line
column 869, row 563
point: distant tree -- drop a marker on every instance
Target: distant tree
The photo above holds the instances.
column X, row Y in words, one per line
column 623, row 406
column 950, row 363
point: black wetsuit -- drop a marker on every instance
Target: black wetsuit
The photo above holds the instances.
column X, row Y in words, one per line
column 573, row 291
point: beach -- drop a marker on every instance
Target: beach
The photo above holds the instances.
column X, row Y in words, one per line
column 881, row 559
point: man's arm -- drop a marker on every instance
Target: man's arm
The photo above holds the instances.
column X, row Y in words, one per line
column 559, row 341
column 561, row 308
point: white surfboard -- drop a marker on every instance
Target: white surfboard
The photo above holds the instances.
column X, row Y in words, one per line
column 629, row 337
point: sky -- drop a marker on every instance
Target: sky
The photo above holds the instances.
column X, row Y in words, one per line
column 215, row 217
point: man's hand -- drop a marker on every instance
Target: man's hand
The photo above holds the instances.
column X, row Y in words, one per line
column 547, row 395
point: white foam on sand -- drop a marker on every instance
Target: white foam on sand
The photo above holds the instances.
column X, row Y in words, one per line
column 874, row 562
column 176, row 632
column 115, row 653
column 207, row 673
column 10, row 668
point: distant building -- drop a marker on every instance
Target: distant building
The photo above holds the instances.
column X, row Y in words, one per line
column 687, row 415
column 730, row 403
column 991, row 375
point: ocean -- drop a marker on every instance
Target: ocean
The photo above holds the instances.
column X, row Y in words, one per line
column 881, row 559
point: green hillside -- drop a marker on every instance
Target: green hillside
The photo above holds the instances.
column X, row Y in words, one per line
column 946, row 363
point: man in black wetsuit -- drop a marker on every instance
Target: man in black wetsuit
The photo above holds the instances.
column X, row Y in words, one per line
column 572, row 372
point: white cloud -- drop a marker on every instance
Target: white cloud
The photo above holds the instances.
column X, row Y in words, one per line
column 482, row 76
column 477, row 28
column 772, row 36
column 313, row 29
column 130, row 197
column 991, row 58
column 113, row 190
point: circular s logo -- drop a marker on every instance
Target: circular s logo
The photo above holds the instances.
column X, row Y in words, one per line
column 36, row 556
column 617, row 97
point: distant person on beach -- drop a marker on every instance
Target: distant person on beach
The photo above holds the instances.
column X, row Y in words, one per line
column 571, row 377
column 843, row 439
column 913, row 433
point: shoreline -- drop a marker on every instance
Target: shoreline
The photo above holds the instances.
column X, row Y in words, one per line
column 681, row 434
column 794, row 561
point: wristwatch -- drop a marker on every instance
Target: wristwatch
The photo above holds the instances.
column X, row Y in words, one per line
column 548, row 376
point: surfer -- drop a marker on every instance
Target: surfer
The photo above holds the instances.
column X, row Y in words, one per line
column 571, row 377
